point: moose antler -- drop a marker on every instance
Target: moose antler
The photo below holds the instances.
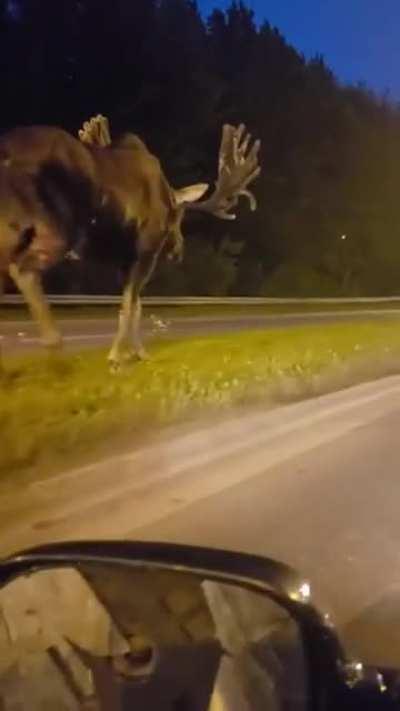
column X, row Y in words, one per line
column 96, row 132
column 237, row 168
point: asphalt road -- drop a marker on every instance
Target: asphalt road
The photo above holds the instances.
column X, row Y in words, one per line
column 315, row 484
column 82, row 333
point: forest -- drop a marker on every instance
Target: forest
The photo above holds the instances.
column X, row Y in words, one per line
column 328, row 218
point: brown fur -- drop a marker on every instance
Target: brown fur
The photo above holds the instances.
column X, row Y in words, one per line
column 58, row 194
column 125, row 176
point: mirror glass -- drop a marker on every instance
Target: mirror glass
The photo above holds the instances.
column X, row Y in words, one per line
column 116, row 637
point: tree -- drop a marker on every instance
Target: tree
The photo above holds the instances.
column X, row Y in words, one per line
column 330, row 154
column 207, row 270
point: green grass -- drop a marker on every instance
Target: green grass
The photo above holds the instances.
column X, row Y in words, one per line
column 55, row 410
column 20, row 313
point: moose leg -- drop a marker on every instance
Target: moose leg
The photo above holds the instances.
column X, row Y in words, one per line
column 138, row 346
column 146, row 266
column 131, row 310
column 30, row 287
column 124, row 325
column 1, row 294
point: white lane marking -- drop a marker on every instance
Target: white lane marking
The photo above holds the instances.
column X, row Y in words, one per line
column 285, row 316
column 223, row 318
column 130, row 499
column 241, row 432
column 77, row 337
column 140, row 504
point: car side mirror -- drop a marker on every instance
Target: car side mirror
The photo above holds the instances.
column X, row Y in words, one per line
column 118, row 625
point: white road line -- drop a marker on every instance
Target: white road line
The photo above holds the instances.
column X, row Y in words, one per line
column 117, row 496
column 225, row 318
column 249, row 430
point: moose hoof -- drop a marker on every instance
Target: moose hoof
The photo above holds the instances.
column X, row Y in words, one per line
column 114, row 367
column 133, row 354
column 114, row 363
column 141, row 354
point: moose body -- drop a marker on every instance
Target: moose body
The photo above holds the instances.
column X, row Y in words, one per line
column 61, row 195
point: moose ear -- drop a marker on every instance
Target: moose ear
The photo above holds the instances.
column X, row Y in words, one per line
column 191, row 193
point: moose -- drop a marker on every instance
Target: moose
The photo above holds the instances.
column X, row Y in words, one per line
column 92, row 196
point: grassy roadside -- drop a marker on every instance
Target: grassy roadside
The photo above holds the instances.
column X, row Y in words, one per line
column 52, row 409
column 20, row 313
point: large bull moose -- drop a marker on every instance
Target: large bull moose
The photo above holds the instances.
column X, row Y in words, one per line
column 97, row 197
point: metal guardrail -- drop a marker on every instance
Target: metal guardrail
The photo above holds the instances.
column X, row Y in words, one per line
column 106, row 300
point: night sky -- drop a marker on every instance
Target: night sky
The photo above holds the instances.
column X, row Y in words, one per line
column 360, row 39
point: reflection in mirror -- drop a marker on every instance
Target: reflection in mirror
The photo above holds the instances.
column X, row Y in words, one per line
column 110, row 638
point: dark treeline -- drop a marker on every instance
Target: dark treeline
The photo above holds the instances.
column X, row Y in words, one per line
column 329, row 207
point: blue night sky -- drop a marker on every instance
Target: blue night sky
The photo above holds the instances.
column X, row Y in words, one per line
column 360, row 39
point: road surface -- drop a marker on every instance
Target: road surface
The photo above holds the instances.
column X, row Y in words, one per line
column 315, row 484
column 82, row 333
